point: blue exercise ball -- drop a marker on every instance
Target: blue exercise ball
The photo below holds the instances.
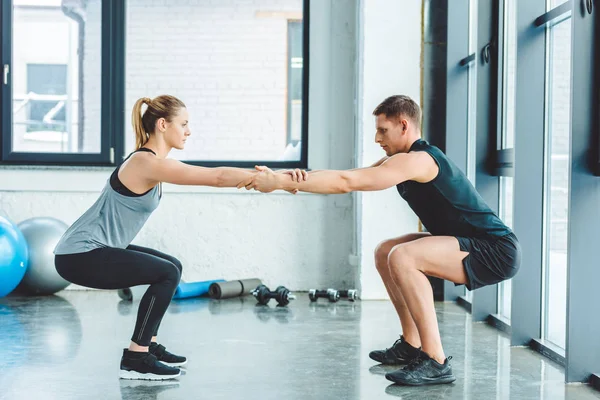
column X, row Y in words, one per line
column 14, row 256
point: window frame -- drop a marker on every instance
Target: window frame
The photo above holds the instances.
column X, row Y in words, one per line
column 106, row 155
column 113, row 113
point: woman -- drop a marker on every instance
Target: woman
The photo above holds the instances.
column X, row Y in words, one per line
column 96, row 251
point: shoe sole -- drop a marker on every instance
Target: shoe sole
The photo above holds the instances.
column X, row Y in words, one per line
column 385, row 362
column 124, row 374
column 181, row 364
column 427, row 381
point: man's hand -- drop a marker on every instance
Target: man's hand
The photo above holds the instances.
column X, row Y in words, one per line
column 298, row 175
column 267, row 181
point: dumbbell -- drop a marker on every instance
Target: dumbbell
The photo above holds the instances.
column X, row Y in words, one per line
column 331, row 294
column 350, row 294
column 282, row 295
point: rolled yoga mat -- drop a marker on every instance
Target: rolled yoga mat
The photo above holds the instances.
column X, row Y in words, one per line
column 226, row 290
column 184, row 290
column 194, row 289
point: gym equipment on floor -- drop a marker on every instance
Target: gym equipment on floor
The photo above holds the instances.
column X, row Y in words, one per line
column 229, row 289
column 282, row 295
column 14, row 256
column 333, row 295
column 194, row 289
column 185, row 290
column 42, row 235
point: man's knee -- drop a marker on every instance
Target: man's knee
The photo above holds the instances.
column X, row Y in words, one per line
column 382, row 252
column 400, row 259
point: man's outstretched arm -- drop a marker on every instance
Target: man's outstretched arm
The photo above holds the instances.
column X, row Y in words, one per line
column 394, row 170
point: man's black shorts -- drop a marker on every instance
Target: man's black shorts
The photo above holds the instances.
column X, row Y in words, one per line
column 490, row 260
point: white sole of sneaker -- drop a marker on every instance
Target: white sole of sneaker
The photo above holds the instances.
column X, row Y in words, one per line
column 124, row 374
column 181, row 364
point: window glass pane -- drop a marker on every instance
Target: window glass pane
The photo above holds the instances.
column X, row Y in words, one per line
column 506, row 214
column 294, row 120
column 236, row 65
column 472, row 97
column 557, row 179
column 509, row 74
column 550, row 4
column 508, row 134
column 472, row 106
column 56, row 76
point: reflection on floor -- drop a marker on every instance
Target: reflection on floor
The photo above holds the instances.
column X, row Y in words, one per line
column 68, row 346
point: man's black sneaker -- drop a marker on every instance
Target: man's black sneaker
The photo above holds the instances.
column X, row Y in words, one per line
column 142, row 365
column 423, row 371
column 165, row 357
column 401, row 353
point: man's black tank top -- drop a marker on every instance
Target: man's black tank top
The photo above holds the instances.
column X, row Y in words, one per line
column 449, row 205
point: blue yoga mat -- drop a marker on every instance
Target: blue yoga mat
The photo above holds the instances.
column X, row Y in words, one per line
column 193, row 289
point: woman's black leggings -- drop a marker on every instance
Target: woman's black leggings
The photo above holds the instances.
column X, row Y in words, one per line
column 112, row 268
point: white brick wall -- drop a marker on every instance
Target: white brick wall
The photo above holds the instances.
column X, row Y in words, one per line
column 222, row 58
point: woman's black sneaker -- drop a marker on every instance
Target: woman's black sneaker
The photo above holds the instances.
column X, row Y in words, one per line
column 401, row 353
column 143, row 365
column 423, row 370
column 165, row 357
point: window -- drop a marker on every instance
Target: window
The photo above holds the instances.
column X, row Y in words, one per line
column 45, row 99
column 238, row 66
column 507, row 130
column 557, row 166
column 472, row 106
column 294, row 106
column 506, row 211
column 54, row 79
column 241, row 68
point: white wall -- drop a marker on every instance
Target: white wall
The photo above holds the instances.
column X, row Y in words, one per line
column 388, row 63
column 299, row 241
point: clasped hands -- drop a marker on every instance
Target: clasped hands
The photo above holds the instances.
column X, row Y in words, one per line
column 266, row 180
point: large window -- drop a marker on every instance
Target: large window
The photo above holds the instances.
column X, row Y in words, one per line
column 507, row 130
column 238, row 66
column 472, row 106
column 73, row 70
column 557, row 164
column 55, row 103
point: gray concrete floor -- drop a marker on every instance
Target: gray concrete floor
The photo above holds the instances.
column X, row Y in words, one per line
column 69, row 346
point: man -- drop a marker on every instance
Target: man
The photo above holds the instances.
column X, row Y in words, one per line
column 466, row 242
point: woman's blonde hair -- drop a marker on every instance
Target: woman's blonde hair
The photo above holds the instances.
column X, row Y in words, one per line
column 164, row 106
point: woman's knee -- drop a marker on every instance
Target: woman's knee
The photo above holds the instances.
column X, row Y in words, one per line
column 171, row 272
column 177, row 263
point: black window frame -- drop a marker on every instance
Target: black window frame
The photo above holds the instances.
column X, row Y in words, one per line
column 108, row 142
column 113, row 113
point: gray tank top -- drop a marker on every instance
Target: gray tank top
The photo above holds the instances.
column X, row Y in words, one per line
column 113, row 220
